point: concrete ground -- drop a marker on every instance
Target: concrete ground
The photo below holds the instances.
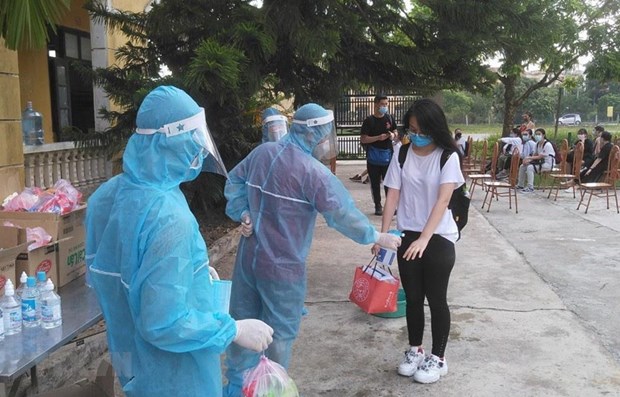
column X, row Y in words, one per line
column 534, row 299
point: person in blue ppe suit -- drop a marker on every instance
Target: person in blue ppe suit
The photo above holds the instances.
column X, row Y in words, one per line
column 148, row 263
column 274, row 125
column 276, row 192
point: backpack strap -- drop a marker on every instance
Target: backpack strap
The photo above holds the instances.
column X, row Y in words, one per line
column 402, row 154
column 445, row 155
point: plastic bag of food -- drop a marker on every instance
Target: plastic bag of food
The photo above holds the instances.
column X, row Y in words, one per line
column 24, row 200
column 268, row 379
column 69, row 193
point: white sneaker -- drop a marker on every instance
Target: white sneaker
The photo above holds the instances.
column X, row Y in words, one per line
column 431, row 370
column 413, row 359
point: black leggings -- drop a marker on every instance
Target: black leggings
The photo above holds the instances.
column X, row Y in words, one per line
column 427, row 277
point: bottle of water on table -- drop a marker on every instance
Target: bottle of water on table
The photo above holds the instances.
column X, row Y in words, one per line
column 51, row 312
column 12, row 310
column 30, row 301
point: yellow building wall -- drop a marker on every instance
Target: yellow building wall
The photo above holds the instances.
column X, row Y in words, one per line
column 77, row 17
column 11, row 149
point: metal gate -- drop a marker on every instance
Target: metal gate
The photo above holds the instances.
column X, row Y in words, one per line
column 350, row 112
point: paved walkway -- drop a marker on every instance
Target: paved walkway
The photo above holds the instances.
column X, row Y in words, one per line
column 534, row 300
column 534, row 297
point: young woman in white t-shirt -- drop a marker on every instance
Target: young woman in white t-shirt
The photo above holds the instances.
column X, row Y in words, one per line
column 422, row 190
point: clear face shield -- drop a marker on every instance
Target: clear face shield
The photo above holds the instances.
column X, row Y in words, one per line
column 327, row 148
column 197, row 127
column 276, row 126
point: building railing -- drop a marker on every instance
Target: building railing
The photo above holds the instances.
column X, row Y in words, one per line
column 46, row 164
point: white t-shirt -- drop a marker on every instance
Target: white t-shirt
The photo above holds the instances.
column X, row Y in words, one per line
column 529, row 149
column 418, row 182
column 516, row 143
column 547, row 152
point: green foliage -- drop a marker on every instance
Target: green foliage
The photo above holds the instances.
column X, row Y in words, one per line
column 25, row 23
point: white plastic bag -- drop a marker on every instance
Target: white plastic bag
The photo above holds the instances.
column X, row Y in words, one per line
column 268, row 379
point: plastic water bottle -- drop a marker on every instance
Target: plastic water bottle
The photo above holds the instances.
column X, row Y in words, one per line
column 51, row 311
column 30, row 301
column 32, row 126
column 41, row 279
column 387, row 256
column 12, row 309
column 22, row 284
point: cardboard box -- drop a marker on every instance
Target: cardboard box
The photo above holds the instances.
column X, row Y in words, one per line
column 58, row 226
column 40, row 259
column 10, row 248
column 71, row 258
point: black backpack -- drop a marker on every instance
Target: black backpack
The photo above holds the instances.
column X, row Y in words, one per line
column 459, row 202
column 557, row 159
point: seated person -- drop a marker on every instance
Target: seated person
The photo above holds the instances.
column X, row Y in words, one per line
column 588, row 150
column 512, row 142
column 461, row 143
column 542, row 160
column 599, row 166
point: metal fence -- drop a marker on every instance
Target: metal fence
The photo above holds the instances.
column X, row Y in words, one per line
column 350, row 112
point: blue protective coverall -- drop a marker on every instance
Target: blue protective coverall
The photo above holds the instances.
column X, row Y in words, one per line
column 149, row 266
column 283, row 187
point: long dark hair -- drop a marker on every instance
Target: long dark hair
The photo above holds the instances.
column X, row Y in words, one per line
column 432, row 122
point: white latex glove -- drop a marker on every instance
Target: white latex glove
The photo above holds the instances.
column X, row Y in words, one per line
column 389, row 241
column 246, row 225
column 213, row 274
column 253, row 334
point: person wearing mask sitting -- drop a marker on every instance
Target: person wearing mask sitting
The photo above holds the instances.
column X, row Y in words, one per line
column 588, row 150
column 511, row 143
column 541, row 161
column 599, row 166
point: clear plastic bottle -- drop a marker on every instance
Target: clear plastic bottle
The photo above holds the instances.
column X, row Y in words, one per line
column 32, row 126
column 30, row 301
column 12, row 309
column 22, row 284
column 386, row 256
column 51, row 311
column 41, row 279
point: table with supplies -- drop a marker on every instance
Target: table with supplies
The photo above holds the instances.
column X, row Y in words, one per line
column 22, row 352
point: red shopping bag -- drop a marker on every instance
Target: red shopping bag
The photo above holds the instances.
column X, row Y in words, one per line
column 373, row 292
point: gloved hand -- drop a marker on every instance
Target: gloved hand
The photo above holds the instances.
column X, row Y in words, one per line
column 213, row 274
column 246, row 224
column 389, row 241
column 253, row 334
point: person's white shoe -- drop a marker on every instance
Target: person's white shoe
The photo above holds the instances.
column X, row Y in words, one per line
column 413, row 358
column 431, row 370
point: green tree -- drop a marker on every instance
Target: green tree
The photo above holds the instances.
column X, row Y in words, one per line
column 26, row 23
column 457, row 105
column 548, row 35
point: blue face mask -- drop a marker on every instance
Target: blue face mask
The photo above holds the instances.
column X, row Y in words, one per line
column 420, row 140
column 383, row 109
column 526, row 138
column 538, row 138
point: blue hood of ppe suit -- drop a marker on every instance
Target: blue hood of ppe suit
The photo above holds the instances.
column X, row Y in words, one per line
column 303, row 136
column 148, row 263
column 156, row 160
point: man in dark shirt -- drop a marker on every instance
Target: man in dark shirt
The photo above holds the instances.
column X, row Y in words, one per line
column 599, row 166
column 378, row 132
